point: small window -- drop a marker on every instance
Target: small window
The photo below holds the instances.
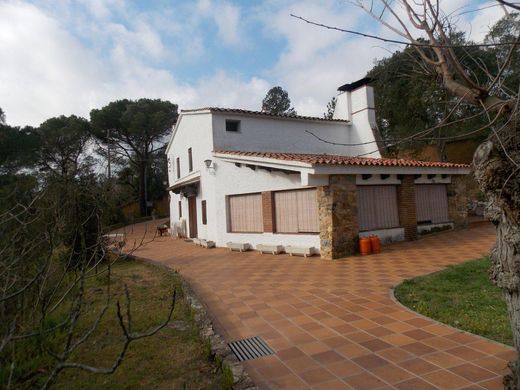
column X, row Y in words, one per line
column 178, row 168
column 232, row 125
column 180, row 209
column 204, row 215
column 190, row 160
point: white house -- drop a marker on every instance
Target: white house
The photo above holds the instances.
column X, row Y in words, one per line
column 257, row 178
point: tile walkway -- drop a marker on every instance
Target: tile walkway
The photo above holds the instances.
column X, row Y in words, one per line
column 333, row 324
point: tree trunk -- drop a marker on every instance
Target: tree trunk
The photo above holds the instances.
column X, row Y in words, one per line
column 142, row 188
column 497, row 170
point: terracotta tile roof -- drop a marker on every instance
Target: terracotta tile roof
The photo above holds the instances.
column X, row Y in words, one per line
column 326, row 159
column 264, row 114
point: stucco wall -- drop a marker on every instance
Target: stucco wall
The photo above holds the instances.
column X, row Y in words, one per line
column 289, row 135
column 193, row 131
column 231, row 180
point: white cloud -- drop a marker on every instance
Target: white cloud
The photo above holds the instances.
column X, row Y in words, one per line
column 50, row 69
column 49, row 73
column 228, row 17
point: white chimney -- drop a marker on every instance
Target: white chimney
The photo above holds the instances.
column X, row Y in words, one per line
column 355, row 103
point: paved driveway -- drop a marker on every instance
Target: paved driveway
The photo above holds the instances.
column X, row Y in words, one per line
column 333, row 324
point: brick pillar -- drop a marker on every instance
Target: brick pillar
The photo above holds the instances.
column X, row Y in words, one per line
column 407, row 207
column 458, row 200
column 268, row 211
column 337, row 209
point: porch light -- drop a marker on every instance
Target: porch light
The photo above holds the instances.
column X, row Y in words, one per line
column 208, row 163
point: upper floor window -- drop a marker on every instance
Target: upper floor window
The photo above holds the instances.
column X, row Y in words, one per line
column 190, row 160
column 178, row 163
column 232, row 125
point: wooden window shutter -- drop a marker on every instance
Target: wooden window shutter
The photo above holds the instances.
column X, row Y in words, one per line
column 431, row 201
column 245, row 213
column 190, row 160
column 204, row 215
column 377, row 207
column 180, row 209
column 296, row 211
column 178, row 168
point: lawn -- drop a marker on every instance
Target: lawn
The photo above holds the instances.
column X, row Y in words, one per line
column 176, row 357
column 461, row 296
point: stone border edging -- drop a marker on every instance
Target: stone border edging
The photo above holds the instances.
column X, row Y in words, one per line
column 219, row 347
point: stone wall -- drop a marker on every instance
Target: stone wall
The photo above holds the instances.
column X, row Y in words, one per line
column 458, row 200
column 407, row 207
column 337, row 209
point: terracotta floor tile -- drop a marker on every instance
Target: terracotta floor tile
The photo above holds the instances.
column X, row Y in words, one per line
column 418, row 334
column 359, row 337
column 418, row 348
column 289, row 353
column 335, row 341
column 334, row 384
column 440, row 343
column 314, row 347
column 493, row 384
column 493, row 364
column 465, row 353
column 395, row 355
column 446, row 380
column 472, row 372
column 375, row 345
column 352, row 350
column 316, row 376
column 399, row 326
column 379, row 331
column 487, row 347
column 415, row 384
column 340, row 311
column 443, row 359
column 461, row 337
column 301, row 364
column 344, row 329
column 418, row 366
column 370, row 361
column 365, row 381
column 327, row 357
column 344, row 368
column 419, row 322
column 273, row 369
column 397, row 339
column 391, row 373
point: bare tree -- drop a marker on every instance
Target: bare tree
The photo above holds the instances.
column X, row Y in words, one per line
column 50, row 247
column 496, row 163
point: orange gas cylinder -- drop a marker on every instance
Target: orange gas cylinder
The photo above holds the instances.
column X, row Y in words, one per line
column 375, row 244
column 364, row 246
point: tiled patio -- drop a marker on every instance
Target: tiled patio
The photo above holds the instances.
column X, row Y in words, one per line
column 333, row 324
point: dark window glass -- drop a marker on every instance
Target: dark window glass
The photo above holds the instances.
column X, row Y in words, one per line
column 204, row 215
column 232, row 125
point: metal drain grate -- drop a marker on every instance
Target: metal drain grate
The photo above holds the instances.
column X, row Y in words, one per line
column 252, row 348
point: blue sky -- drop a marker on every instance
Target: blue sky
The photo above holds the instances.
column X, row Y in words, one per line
column 69, row 56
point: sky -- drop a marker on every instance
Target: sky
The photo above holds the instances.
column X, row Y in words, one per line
column 65, row 57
